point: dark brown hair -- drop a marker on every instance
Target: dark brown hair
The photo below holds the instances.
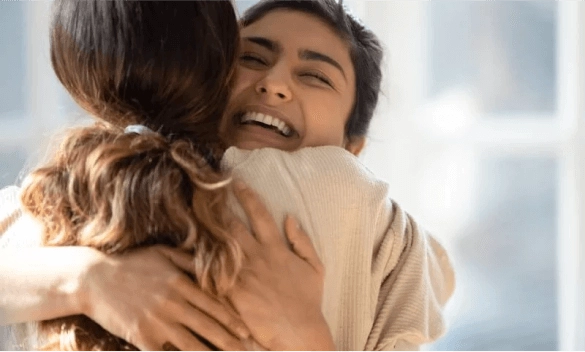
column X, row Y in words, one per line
column 165, row 65
column 365, row 51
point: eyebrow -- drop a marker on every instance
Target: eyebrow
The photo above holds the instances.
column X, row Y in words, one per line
column 316, row 56
column 266, row 43
column 304, row 54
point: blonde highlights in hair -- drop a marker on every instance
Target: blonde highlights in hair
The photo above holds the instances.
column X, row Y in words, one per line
column 165, row 65
column 115, row 192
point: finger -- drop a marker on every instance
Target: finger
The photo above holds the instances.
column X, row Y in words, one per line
column 180, row 258
column 179, row 338
column 240, row 297
column 301, row 243
column 148, row 345
column 147, row 340
column 246, row 240
column 208, row 328
column 212, row 308
column 261, row 221
column 167, row 346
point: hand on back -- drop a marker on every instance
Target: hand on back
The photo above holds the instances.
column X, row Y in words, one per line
column 279, row 291
column 147, row 298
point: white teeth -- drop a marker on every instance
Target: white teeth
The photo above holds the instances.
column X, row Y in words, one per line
column 267, row 120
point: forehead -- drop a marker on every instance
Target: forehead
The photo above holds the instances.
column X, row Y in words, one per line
column 295, row 30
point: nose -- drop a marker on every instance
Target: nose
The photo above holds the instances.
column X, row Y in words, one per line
column 274, row 88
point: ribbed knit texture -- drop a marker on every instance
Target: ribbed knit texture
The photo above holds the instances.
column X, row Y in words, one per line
column 10, row 211
column 386, row 279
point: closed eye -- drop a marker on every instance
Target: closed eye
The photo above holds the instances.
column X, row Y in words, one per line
column 252, row 59
column 318, row 76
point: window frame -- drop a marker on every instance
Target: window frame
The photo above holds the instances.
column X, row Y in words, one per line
column 44, row 96
column 560, row 135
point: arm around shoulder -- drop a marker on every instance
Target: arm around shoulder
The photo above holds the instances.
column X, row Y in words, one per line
column 36, row 283
column 44, row 282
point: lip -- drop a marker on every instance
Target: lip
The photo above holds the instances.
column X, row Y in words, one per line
column 274, row 113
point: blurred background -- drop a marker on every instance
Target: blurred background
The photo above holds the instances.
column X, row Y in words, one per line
column 480, row 132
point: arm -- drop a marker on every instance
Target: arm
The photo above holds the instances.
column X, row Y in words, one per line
column 48, row 277
column 375, row 254
column 121, row 293
column 42, row 283
column 45, row 283
column 416, row 282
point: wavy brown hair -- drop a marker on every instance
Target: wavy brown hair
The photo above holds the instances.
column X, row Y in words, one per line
column 165, row 65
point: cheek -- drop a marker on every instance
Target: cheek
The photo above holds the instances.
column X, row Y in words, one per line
column 327, row 126
column 245, row 78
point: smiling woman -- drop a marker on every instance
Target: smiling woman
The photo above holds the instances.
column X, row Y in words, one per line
column 267, row 121
column 298, row 64
column 303, row 78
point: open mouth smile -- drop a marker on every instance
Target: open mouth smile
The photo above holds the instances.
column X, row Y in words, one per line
column 266, row 121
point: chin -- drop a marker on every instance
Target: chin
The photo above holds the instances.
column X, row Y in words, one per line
column 251, row 145
column 255, row 144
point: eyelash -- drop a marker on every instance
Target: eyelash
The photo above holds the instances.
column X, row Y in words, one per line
column 250, row 57
column 254, row 58
column 320, row 77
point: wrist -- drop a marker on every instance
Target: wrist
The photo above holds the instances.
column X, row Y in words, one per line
column 92, row 265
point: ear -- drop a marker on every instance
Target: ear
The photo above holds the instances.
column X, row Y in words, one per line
column 355, row 145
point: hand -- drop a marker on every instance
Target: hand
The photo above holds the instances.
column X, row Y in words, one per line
column 147, row 298
column 279, row 292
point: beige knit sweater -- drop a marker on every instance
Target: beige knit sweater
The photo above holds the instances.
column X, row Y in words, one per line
column 386, row 280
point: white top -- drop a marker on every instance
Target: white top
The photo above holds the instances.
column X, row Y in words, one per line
column 386, row 279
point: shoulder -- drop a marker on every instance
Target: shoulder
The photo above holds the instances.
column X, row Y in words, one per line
column 9, row 195
column 9, row 204
column 10, row 212
column 325, row 157
column 327, row 165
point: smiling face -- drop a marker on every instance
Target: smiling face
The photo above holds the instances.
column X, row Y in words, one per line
column 295, row 85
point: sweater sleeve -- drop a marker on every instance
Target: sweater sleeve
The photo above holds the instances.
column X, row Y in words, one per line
column 16, row 231
column 357, row 230
column 417, row 280
column 17, row 228
column 10, row 211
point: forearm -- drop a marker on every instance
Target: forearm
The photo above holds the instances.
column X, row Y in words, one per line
column 42, row 283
